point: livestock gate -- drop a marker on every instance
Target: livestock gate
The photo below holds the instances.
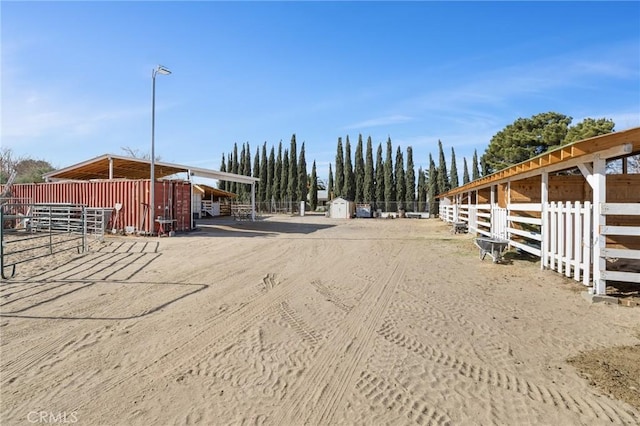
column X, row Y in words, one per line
column 32, row 231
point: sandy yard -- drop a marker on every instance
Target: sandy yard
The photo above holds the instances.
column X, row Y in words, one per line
column 308, row 320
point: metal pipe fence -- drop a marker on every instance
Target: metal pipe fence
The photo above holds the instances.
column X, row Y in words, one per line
column 34, row 231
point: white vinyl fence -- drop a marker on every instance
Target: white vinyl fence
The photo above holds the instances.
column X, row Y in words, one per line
column 559, row 233
column 567, row 242
column 628, row 209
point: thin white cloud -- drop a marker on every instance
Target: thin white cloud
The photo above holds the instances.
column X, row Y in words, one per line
column 380, row 121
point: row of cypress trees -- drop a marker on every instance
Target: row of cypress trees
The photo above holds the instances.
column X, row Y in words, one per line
column 281, row 179
column 387, row 184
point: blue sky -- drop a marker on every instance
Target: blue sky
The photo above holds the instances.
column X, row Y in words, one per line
column 76, row 76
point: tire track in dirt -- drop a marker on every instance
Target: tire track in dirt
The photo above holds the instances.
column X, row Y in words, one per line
column 222, row 331
column 330, row 296
column 379, row 392
column 338, row 358
column 487, row 344
column 298, row 325
column 539, row 393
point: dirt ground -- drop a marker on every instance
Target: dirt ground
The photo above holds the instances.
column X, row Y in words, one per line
column 309, row 320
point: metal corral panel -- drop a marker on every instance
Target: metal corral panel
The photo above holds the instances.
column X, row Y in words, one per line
column 173, row 199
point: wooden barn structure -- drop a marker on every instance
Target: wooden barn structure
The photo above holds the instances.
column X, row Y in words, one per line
column 576, row 207
column 110, row 180
column 210, row 201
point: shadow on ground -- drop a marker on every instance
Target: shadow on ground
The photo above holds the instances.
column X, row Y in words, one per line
column 228, row 227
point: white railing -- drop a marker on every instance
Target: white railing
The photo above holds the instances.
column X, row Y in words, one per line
column 499, row 223
column 524, row 227
column 447, row 213
column 480, row 219
column 559, row 233
column 627, row 209
column 463, row 213
column 567, row 244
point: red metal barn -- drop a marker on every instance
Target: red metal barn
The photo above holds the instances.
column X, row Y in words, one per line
column 173, row 200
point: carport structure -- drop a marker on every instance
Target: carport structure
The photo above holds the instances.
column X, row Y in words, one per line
column 110, row 179
column 564, row 206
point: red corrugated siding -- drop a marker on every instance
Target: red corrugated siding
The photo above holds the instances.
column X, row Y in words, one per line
column 172, row 197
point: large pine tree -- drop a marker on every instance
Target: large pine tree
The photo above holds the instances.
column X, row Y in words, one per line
column 369, row 190
column 389, row 181
column 359, row 171
column 338, row 184
column 380, row 189
column 349, row 191
column 410, row 178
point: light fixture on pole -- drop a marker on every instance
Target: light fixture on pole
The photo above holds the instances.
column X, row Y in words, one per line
column 152, row 193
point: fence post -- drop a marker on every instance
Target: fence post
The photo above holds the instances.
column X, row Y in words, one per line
column 568, row 239
column 577, row 263
column 599, row 221
column 587, row 241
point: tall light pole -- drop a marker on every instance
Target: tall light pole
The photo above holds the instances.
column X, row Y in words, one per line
column 152, row 194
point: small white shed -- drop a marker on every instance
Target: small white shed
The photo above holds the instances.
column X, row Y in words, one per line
column 341, row 208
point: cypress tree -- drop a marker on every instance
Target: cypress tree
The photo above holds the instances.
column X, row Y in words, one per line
column 284, row 179
column 369, row 189
column 401, row 184
column 339, row 181
column 277, row 176
column 271, row 164
column 264, row 175
column 379, row 194
column 475, row 171
column 443, row 177
column 454, row 170
column 227, row 184
column 465, row 172
column 330, row 190
column 410, row 178
column 484, row 166
column 303, row 189
column 389, row 182
column 256, row 174
column 313, row 195
column 292, row 188
column 246, row 188
column 422, row 191
column 433, row 187
column 223, row 168
column 235, row 167
column 349, row 191
column 359, row 171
